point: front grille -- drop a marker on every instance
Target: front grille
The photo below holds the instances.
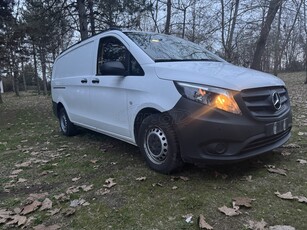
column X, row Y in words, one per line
column 265, row 141
column 259, row 102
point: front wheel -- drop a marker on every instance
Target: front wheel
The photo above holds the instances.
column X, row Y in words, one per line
column 66, row 126
column 158, row 144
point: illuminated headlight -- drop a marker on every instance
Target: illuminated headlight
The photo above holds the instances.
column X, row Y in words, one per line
column 215, row 97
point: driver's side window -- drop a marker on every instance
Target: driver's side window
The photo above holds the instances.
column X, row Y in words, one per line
column 113, row 50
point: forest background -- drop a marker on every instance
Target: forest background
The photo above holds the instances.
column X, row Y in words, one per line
column 267, row 35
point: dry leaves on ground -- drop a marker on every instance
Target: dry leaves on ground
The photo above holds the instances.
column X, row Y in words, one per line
column 203, row 224
column 301, row 161
column 289, row 196
column 243, row 201
column 143, row 178
column 230, row 211
column 255, row 225
column 273, row 169
column 43, row 227
column 109, row 183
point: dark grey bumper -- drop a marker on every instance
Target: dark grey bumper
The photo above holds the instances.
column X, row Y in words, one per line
column 214, row 136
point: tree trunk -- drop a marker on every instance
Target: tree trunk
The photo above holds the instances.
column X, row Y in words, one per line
column 168, row 16
column 43, row 63
column 35, row 70
column 260, row 47
column 276, row 45
column 229, row 46
column 23, row 75
column 184, row 19
column 193, row 20
column 92, row 18
column 82, row 19
column 15, row 74
column 1, row 101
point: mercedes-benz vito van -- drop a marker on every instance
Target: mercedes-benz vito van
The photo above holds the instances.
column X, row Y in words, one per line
column 174, row 99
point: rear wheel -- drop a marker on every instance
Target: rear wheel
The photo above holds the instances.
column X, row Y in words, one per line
column 158, row 144
column 67, row 128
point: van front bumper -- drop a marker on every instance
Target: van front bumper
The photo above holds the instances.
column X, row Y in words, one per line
column 216, row 137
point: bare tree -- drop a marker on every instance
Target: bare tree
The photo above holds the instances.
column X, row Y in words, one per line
column 91, row 16
column 168, row 16
column 232, row 22
column 82, row 19
column 265, row 30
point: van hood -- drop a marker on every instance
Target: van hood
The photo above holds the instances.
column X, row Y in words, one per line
column 218, row 74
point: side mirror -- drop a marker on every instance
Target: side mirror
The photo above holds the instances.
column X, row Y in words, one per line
column 112, row 68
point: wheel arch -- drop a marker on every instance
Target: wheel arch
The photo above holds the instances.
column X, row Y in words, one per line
column 141, row 115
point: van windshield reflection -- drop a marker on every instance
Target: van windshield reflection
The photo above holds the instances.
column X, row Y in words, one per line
column 166, row 48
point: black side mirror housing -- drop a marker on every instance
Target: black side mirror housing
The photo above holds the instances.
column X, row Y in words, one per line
column 112, row 68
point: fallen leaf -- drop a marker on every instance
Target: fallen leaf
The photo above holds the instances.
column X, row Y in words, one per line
column 157, row 184
column 87, row 188
column 184, row 178
column 53, row 211
column 301, row 133
column 93, row 161
column 301, row 161
column 278, row 171
column 17, row 210
column 281, row 227
column 109, row 183
column 31, row 207
column 61, row 197
column 19, row 220
column 243, row 201
column 302, row 199
column 47, row 204
column 286, row 196
column 229, row 211
column 102, row 191
column 174, row 187
column 37, row 196
column 24, row 164
column 254, row 225
column 291, row 146
column 76, row 179
column 203, row 224
column 69, row 211
column 21, row 180
column 17, row 171
column 43, row 227
column 285, row 153
column 72, row 189
column 141, row 178
column 249, row 178
column 188, row 218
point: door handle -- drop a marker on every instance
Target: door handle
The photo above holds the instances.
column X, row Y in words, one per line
column 84, row 80
column 95, row 81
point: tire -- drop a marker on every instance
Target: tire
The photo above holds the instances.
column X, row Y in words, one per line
column 158, row 144
column 66, row 127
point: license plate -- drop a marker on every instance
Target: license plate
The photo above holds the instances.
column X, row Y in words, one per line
column 277, row 127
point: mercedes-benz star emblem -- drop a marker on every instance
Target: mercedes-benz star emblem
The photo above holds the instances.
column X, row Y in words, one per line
column 276, row 100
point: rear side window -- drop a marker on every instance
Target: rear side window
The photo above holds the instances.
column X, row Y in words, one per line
column 113, row 50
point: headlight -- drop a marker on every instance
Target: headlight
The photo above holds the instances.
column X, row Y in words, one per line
column 211, row 96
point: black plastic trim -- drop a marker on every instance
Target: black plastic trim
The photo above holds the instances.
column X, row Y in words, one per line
column 199, row 127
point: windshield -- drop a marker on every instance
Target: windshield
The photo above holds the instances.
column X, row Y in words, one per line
column 162, row 47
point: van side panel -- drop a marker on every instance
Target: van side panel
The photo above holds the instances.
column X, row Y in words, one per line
column 71, row 68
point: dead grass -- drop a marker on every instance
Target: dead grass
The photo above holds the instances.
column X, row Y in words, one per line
column 29, row 132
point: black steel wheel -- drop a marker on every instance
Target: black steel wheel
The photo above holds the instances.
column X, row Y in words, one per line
column 66, row 126
column 158, row 144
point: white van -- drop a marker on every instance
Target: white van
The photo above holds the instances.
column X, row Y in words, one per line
column 175, row 100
